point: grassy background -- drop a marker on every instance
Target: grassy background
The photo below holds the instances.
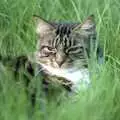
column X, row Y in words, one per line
column 102, row 100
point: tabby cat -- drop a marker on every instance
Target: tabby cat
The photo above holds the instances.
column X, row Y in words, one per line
column 63, row 50
column 62, row 53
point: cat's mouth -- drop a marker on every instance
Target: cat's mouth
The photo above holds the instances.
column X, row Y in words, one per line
column 73, row 74
column 56, row 68
column 57, row 71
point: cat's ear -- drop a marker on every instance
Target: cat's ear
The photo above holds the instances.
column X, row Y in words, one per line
column 42, row 26
column 88, row 25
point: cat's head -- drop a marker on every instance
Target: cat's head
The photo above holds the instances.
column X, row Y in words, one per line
column 64, row 45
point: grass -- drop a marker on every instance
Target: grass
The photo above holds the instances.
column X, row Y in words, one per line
column 99, row 102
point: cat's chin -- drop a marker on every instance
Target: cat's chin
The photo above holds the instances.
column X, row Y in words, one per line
column 76, row 76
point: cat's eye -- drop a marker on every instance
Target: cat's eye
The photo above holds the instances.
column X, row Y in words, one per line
column 46, row 51
column 74, row 50
column 47, row 48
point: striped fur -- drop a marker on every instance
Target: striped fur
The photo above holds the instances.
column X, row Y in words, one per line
column 64, row 46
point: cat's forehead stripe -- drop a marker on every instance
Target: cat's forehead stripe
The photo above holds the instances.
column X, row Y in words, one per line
column 63, row 29
column 62, row 34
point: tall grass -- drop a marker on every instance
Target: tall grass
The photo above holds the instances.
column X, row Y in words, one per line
column 102, row 100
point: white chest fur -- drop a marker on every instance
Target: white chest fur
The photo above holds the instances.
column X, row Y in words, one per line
column 76, row 76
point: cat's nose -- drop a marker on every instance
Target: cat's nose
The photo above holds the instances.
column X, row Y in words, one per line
column 59, row 62
column 60, row 59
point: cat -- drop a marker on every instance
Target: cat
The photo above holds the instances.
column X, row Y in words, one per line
column 63, row 50
column 61, row 54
